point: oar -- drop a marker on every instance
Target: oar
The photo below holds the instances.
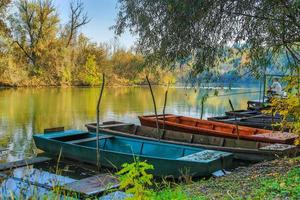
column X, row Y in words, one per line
column 97, row 128
column 236, row 123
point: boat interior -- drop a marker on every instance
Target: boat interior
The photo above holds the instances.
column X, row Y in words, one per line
column 137, row 147
column 150, row 132
column 209, row 125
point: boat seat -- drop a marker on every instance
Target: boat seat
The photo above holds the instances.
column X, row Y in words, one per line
column 201, row 156
column 89, row 139
column 115, row 125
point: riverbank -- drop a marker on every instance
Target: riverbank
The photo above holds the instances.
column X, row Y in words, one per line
column 278, row 179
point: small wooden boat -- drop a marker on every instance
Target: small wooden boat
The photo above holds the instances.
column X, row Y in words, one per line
column 243, row 113
column 167, row 159
column 255, row 122
column 241, row 149
column 211, row 128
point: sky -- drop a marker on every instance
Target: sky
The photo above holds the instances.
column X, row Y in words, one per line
column 103, row 14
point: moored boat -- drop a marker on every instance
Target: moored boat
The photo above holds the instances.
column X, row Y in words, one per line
column 243, row 113
column 254, row 122
column 242, row 149
column 217, row 129
column 167, row 159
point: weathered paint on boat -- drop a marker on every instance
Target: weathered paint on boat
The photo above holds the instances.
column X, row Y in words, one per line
column 242, row 149
column 218, row 129
column 167, row 159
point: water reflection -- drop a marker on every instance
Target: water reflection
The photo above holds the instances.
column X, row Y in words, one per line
column 25, row 111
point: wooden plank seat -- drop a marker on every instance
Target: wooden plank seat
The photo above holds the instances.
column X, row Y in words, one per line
column 115, row 125
column 90, row 139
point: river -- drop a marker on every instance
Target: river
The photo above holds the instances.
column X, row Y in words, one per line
column 25, row 111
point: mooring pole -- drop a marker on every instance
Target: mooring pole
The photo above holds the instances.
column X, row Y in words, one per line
column 202, row 107
column 97, row 128
column 236, row 123
column 154, row 105
column 164, row 111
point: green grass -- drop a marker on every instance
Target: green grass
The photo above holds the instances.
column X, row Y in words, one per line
column 272, row 180
column 170, row 193
column 282, row 187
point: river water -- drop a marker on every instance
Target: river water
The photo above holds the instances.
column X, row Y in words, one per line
column 25, row 111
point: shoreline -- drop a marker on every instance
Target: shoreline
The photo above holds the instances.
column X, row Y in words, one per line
column 177, row 86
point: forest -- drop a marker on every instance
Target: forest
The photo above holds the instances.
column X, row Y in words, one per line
column 36, row 49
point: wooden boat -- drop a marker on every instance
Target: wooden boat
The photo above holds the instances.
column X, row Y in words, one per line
column 211, row 128
column 241, row 149
column 167, row 159
column 243, row 113
column 255, row 122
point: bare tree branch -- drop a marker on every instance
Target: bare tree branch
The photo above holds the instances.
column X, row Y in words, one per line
column 22, row 48
column 78, row 19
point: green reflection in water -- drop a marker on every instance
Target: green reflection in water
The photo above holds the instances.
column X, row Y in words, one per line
column 25, row 111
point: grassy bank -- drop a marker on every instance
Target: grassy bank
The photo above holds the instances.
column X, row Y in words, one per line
column 278, row 179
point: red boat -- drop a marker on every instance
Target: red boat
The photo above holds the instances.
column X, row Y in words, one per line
column 205, row 127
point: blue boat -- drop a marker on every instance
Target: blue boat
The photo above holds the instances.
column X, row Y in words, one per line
column 167, row 159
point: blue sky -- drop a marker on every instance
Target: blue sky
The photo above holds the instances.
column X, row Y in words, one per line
column 103, row 14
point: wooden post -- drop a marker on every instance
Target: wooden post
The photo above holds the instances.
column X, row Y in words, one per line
column 154, row 105
column 236, row 123
column 164, row 111
column 202, row 107
column 97, row 128
column 264, row 84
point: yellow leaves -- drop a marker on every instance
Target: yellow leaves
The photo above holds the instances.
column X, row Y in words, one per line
column 288, row 108
column 245, row 60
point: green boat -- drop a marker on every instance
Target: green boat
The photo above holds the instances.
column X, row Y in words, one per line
column 167, row 159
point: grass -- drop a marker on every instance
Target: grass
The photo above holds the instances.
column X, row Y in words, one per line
column 278, row 179
column 282, row 187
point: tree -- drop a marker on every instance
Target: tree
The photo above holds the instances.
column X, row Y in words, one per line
column 126, row 64
column 35, row 29
column 3, row 7
column 77, row 19
column 90, row 74
column 173, row 30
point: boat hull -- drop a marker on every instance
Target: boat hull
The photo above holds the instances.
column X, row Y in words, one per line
column 258, row 123
column 241, row 149
column 217, row 129
column 86, row 152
